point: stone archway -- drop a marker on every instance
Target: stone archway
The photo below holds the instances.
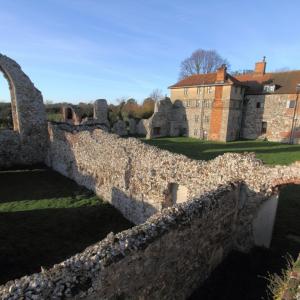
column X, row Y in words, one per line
column 12, row 97
column 264, row 221
column 27, row 143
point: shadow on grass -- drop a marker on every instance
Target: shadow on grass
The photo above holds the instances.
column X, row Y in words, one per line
column 35, row 185
column 43, row 236
column 31, row 239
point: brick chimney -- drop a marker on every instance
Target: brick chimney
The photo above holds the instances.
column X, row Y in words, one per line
column 260, row 67
column 221, row 74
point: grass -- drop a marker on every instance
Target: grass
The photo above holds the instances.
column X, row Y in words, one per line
column 246, row 276
column 46, row 218
column 56, row 117
column 280, row 283
column 270, row 152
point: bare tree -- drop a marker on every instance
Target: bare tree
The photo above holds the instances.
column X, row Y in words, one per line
column 241, row 72
column 201, row 61
column 156, row 95
column 280, row 70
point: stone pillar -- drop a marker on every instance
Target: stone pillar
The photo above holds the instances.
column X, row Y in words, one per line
column 120, row 128
column 101, row 112
column 132, row 126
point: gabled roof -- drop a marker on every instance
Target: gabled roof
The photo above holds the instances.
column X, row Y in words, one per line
column 285, row 82
column 203, row 79
column 197, row 79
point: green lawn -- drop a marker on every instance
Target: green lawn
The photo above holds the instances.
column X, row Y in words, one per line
column 270, row 152
column 45, row 218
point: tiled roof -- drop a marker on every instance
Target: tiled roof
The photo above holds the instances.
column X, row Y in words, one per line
column 203, row 79
column 196, row 79
column 285, row 82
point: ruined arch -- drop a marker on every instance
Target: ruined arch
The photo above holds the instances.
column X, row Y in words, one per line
column 264, row 221
column 12, row 97
column 26, row 144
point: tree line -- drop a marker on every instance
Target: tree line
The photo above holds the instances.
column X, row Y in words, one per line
column 123, row 110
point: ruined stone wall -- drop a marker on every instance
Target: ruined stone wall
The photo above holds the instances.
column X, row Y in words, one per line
column 27, row 143
column 136, row 178
column 273, row 110
column 101, row 112
column 168, row 119
column 167, row 257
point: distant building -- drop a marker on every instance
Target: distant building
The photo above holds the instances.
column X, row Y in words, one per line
column 221, row 107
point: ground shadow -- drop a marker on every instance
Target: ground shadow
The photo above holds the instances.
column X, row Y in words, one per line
column 245, row 276
column 31, row 239
column 43, row 237
column 21, row 185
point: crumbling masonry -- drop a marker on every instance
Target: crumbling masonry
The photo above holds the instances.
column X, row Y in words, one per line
column 188, row 216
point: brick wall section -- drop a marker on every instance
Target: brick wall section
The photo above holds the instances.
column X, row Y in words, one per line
column 216, row 115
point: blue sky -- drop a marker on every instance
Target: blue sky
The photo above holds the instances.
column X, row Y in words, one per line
column 81, row 50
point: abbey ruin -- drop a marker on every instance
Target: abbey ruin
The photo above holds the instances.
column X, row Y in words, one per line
column 189, row 214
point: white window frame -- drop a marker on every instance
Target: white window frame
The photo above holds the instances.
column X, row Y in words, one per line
column 288, row 104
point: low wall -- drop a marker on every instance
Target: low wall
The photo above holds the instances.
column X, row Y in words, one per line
column 15, row 152
column 141, row 180
column 167, row 257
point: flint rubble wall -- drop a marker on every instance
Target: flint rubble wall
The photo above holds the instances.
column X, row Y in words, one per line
column 167, row 257
column 27, row 143
column 136, row 178
column 175, row 249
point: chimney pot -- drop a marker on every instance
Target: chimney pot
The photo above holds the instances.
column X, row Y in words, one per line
column 260, row 67
column 221, row 73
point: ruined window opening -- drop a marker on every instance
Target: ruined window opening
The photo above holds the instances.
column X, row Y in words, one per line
column 69, row 114
column 264, row 126
column 185, row 91
column 156, row 130
column 177, row 193
column 259, row 105
column 183, row 132
column 7, row 105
